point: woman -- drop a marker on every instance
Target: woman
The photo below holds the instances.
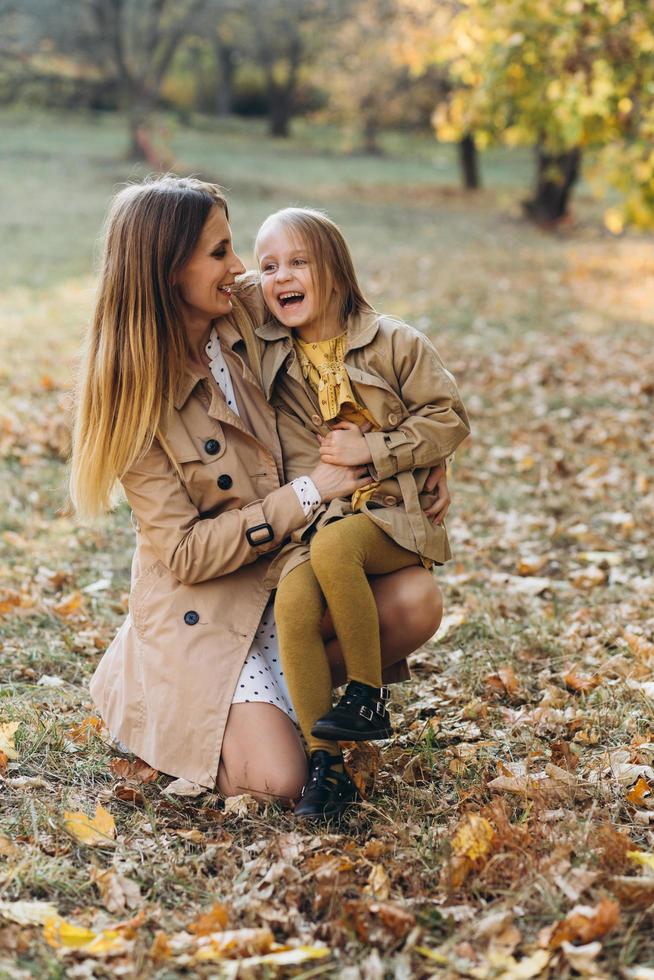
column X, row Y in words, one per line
column 170, row 407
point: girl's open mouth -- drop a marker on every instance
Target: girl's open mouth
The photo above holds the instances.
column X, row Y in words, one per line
column 290, row 299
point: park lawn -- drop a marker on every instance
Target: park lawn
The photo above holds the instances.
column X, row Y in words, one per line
column 520, row 781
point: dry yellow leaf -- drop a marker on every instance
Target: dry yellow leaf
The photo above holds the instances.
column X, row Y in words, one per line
column 473, row 838
column 67, row 937
column 100, row 829
column 643, row 858
column 7, row 732
column 379, row 884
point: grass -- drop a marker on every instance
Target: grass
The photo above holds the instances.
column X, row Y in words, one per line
column 550, row 339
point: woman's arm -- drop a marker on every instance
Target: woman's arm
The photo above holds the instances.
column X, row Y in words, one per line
column 197, row 548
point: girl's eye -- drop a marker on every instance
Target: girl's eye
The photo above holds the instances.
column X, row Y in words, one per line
column 267, row 268
column 220, row 254
column 300, row 261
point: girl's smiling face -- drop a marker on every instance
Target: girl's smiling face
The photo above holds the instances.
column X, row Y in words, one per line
column 288, row 281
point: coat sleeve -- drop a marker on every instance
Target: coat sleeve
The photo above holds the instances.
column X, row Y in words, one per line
column 437, row 422
column 197, row 548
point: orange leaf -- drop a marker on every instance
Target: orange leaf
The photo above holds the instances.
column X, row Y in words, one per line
column 582, row 683
column 215, row 920
column 160, row 948
column 70, row 605
column 88, row 726
column 639, row 793
column 137, row 771
column 584, row 924
column 4, row 762
column 639, row 645
column 504, row 681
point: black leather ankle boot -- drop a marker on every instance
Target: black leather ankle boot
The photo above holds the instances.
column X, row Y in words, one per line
column 360, row 716
column 327, row 791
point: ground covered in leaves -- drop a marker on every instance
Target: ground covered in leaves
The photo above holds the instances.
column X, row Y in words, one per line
column 506, row 831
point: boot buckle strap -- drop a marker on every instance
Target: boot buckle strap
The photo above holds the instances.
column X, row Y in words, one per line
column 365, row 713
column 384, row 693
column 380, row 708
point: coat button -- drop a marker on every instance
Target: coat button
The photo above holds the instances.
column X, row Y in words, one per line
column 191, row 617
column 389, row 500
column 393, row 419
column 212, row 446
column 224, row 482
column 316, row 419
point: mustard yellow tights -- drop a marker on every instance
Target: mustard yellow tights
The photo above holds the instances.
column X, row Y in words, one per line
column 343, row 554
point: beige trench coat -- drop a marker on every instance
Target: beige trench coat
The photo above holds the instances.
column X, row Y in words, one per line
column 396, row 374
column 165, row 685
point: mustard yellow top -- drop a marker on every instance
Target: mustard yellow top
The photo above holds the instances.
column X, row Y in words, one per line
column 323, row 366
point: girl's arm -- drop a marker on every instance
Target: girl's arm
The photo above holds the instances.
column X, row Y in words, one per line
column 437, row 422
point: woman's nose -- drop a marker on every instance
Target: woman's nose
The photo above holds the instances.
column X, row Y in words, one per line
column 237, row 265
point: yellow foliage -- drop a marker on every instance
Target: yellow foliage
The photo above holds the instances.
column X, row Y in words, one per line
column 97, row 830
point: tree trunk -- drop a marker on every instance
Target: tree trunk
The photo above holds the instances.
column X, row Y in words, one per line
column 226, row 63
column 280, row 112
column 469, row 162
column 370, row 134
column 556, row 175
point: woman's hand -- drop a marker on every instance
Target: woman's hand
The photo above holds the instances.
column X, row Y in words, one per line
column 338, row 481
column 437, row 481
column 345, row 445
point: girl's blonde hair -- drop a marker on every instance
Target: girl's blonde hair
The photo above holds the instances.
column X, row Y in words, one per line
column 136, row 347
column 325, row 240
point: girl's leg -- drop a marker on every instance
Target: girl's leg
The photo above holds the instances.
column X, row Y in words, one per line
column 299, row 609
column 342, row 553
column 410, row 609
column 262, row 754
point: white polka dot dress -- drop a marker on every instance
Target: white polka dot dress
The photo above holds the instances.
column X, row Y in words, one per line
column 262, row 677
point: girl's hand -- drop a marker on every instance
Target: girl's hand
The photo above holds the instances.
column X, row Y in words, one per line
column 437, row 481
column 338, row 481
column 345, row 445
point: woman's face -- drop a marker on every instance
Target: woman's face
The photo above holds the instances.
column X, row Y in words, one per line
column 204, row 282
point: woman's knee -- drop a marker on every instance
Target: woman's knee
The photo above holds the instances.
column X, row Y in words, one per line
column 262, row 754
column 410, row 597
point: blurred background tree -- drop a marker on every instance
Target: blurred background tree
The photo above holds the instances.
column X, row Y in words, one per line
column 574, row 79
column 566, row 77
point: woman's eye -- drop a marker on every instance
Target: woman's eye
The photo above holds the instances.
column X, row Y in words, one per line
column 220, row 254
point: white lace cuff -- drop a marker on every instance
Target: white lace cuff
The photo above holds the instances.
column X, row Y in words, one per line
column 307, row 494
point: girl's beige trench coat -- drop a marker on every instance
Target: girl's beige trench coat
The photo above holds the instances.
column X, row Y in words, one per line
column 204, row 543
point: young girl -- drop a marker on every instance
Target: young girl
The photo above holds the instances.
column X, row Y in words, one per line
column 352, row 388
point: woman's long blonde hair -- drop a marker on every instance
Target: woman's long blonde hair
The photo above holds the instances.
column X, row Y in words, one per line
column 326, row 243
column 136, row 347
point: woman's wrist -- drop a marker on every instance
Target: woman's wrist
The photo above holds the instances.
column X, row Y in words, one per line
column 307, row 493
